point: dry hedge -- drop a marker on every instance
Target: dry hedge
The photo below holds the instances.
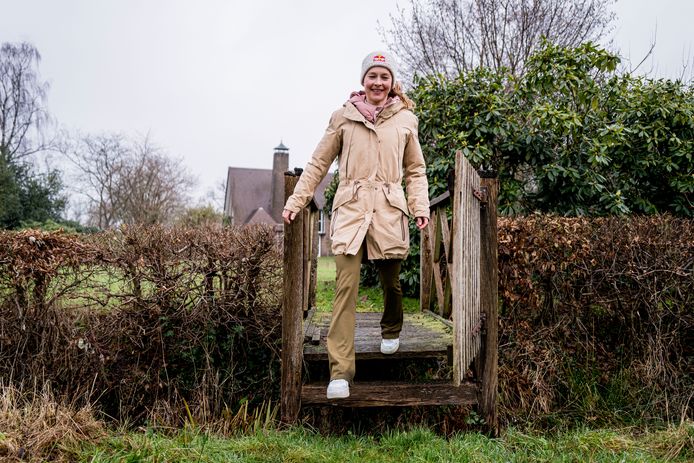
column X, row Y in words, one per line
column 143, row 319
column 596, row 318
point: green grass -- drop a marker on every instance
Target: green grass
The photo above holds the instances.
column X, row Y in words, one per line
column 369, row 299
column 419, row 445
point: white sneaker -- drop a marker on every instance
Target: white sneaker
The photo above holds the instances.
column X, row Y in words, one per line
column 338, row 389
column 390, row 346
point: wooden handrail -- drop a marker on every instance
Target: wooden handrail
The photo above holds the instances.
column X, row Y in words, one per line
column 440, row 201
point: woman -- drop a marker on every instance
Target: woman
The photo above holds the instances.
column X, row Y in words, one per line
column 374, row 136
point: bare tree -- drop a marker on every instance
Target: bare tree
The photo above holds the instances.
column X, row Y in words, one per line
column 156, row 187
column 101, row 163
column 127, row 181
column 21, row 102
column 453, row 36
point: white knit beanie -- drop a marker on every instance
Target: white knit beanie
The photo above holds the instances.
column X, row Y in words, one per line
column 378, row 58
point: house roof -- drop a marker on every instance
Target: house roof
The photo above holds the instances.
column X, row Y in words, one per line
column 247, row 190
column 250, row 189
column 260, row 215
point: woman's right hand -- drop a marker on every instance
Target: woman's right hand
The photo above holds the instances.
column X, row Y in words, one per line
column 288, row 216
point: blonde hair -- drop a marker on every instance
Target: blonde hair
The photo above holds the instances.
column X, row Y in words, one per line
column 396, row 90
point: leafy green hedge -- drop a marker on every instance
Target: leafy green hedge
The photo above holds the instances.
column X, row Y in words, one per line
column 570, row 137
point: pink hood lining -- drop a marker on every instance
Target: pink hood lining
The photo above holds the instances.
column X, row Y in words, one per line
column 369, row 111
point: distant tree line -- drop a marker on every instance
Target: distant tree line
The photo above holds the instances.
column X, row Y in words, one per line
column 125, row 181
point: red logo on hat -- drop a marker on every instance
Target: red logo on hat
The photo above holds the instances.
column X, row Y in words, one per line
column 379, row 58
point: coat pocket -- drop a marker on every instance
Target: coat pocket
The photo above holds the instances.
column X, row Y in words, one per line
column 396, row 198
column 343, row 195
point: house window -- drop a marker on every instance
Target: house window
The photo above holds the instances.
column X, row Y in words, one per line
column 321, row 222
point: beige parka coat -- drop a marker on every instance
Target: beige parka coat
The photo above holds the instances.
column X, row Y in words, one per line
column 373, row 160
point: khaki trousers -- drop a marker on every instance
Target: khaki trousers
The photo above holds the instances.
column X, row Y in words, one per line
column 340, row 341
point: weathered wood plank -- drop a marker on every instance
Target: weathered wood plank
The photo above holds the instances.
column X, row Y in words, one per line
column 315, row 337
column 401, row 354
column 445, row 321
column 455, row 269
column 292, row 313
column 306, row 257
column 438, row 236
column 438, row 284
column 440, row 201
column 308, row 326
column 464, row 266
column 382, row 394
column 445, row 234
column 489, row 301
column 314, row 259
column 426, row 268
column 445, row 312
column 422, row 336
column 472, row 334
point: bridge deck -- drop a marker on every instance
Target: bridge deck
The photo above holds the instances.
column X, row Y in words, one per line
column 422, row 336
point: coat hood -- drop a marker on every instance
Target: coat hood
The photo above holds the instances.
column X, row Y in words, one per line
column 372, row 112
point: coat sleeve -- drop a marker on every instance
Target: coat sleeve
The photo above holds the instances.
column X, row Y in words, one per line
column 323, row 156
column 415, row 176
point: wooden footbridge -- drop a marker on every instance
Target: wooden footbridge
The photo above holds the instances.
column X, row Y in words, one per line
column 458, row 276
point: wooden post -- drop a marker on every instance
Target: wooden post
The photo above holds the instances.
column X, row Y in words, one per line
column 426, row 267
column 315, row 238
column 308, row 229
column 489, row 276
column 292, row 313
column 456, row 271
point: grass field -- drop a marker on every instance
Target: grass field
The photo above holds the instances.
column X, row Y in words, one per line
column 419, row 445
column 369, row 300
column 35, row 427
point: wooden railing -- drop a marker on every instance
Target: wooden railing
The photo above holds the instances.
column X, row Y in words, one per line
column 300, row 260
column 459, row 273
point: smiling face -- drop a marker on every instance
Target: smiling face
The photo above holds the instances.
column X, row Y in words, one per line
column 377, row 84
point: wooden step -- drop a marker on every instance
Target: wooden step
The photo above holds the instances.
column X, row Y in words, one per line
column 422, row 336
column 391, row 394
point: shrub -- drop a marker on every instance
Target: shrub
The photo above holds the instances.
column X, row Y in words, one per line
column 596, row 317
column 144, row 318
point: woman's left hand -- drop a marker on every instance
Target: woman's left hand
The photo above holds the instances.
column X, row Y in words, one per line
column 422, row 222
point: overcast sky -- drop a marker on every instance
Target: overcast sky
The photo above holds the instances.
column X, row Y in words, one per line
column 221, row 82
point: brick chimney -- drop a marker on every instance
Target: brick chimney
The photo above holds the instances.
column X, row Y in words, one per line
column 280, row 164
